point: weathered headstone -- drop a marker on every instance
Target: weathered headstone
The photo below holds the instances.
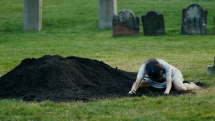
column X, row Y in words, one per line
column 211, row 69
column 107, row 8
column 153, row 23
column 125, row 24
column 194, row 20
column 32, row 15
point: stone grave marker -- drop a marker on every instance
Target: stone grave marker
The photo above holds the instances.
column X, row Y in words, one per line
column 107, row 8
column 125, row 24
column 32, row 18
column 194, row 20
column 211, row 69
column 153, row 23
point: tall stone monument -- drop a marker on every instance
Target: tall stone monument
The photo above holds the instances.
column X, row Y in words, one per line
column 211, row 69
column 125, row 24
column 153, row 23
column 32, row 19
column 107, row 8
column 194, row 20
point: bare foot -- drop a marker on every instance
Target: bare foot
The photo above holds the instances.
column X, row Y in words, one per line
column 196, row 86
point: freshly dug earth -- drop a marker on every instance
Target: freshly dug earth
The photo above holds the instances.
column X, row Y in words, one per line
column 61, row 79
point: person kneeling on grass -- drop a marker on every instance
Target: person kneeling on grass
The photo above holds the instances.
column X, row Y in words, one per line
column 161, row 75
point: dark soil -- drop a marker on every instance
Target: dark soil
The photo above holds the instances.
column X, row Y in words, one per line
column 61, row 79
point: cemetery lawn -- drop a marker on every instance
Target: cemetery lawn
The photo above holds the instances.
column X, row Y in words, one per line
column 70, row 28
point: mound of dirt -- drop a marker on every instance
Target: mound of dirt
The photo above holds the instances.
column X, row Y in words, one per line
column 73, row 78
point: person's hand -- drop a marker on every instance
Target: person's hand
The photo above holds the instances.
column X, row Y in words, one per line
column 166, row 93
column 132, row 92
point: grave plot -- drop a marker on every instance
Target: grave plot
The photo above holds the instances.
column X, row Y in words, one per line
column 125, row 24
column 64, row 79
column 73, row 78
column 194, row 20
column 153, row 23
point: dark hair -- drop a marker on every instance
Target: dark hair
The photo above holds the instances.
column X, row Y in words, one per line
column 154, row 69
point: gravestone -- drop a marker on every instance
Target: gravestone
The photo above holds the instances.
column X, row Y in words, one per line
column 194, row 20
column 107, row 8
column 125, row 24
column 32, row 19
column 211, row 69
column 153, row 23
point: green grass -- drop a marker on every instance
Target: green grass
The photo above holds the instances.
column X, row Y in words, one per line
column 70, row 28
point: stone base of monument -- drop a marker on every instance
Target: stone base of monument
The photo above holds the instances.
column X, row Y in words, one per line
column 211, row 69
column 32, row 17
column 125, row 23
column 123, row 29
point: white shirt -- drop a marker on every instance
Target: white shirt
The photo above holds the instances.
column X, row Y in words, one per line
column 169, row 69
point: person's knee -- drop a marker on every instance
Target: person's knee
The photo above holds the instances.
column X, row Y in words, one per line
column 179, row 85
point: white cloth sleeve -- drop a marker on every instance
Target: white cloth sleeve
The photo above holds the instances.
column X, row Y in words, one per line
column 167, row 67
column 142, row 71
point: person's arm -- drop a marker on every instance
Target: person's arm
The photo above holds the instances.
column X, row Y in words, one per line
column 167, row 68
column 168, row 85
column 138, row 82
column 135, row 86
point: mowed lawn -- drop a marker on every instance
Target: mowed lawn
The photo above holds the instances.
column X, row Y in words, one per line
column 70, row 28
